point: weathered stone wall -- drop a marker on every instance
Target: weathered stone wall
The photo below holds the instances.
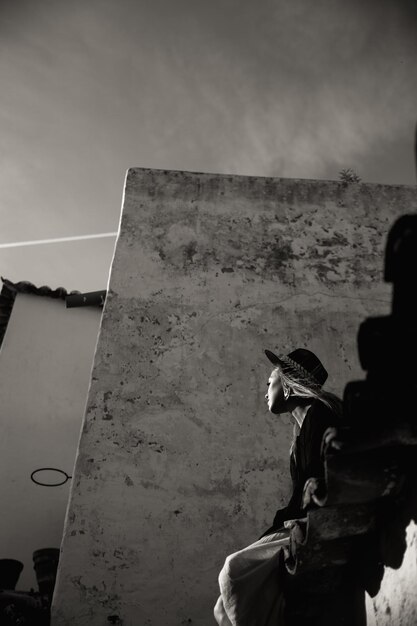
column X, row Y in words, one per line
column 179, row 462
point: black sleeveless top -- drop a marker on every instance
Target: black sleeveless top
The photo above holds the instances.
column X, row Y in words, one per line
column 305, row 460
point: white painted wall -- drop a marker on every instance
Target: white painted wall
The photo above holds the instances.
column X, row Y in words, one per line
column 45, row 366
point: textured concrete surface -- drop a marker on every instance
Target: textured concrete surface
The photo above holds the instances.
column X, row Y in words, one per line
column 396, row 602
column 179, row 462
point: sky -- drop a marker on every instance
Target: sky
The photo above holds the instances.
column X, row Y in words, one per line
column 89, row 88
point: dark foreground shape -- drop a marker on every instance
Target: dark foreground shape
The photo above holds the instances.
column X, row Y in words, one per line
column 356, row 519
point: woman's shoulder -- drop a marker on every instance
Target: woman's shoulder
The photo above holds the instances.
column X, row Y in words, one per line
column 323, row 413
column 319, row 417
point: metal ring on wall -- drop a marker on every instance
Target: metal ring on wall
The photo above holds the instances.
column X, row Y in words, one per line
column 53, row 469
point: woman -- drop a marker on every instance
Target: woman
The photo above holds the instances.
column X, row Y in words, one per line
column 249, row 586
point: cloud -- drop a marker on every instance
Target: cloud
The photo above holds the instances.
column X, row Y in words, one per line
column 266, row 88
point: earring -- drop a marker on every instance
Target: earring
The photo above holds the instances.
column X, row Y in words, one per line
column 286, row 393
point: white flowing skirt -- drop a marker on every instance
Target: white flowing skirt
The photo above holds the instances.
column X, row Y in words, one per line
column 250, row 590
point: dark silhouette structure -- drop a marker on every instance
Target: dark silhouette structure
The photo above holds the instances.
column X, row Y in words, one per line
column 356, row 517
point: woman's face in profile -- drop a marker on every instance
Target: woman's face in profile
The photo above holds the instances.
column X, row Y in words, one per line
column 275, row 394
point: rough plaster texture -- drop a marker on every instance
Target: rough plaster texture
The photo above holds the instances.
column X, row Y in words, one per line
column 179, row 463
column 396, row 602
column 45, row 367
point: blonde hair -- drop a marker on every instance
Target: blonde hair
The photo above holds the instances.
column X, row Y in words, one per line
column 306, row 388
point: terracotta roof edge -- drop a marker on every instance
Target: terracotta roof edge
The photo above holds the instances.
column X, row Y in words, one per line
column 25, row 286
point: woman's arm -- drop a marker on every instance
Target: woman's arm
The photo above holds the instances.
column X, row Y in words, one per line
column 318, row 420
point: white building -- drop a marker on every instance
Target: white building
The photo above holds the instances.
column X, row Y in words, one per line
column 47, row 343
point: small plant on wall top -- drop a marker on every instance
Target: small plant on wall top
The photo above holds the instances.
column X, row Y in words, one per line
column 349, row 176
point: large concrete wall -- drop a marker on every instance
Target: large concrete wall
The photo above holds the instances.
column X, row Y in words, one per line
column 45, row 367
column 179, row 462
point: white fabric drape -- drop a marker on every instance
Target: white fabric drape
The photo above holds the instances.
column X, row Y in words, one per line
column 250, row 593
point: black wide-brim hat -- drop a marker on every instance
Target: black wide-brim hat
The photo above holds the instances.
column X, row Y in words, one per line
column 301, row 361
